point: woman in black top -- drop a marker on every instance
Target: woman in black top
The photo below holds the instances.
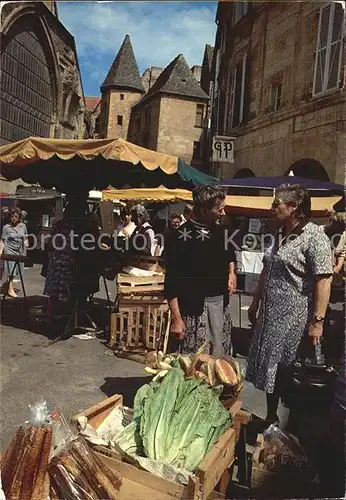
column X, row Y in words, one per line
column 200, row 275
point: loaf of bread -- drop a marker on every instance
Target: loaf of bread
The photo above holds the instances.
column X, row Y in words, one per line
column 78, row 473
column 225, row 373
column 199, row 361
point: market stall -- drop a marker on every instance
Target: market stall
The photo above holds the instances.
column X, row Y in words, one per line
column 76, row 167
column 148, row 451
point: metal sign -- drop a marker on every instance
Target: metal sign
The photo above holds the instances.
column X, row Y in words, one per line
column 223, row 149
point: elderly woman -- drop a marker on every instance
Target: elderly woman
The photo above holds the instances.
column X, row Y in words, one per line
column 292, row 294
column 142, row 240
column 14, row 242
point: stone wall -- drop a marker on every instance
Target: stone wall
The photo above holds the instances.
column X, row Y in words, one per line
column 120, row 107
column 280, row 42
column 145, row 122
column 177, row 131
column 58, row 44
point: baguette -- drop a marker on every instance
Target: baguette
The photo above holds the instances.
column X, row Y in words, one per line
column 20, row 469
column 225, row 372
column 64, row 487
column 111, row 486
column 45, row 488
column 42, row 465
column 53, row 495
column 77, row 473
column 11, row 458
column 33, row 462
column 112, row 475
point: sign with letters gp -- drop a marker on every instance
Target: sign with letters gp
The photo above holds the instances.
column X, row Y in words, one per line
column 223, row 149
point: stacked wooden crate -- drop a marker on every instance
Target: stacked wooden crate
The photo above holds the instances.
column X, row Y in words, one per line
column 140, row 319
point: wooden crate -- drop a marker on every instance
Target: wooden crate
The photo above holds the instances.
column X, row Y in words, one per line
column 148, row 263
column 134, row 285
column 213, row 469
column 139, row 322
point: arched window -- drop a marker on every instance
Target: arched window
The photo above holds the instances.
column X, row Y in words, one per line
column 26, row 99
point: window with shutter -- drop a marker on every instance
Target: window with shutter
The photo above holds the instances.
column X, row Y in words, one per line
column 329, row 47
column 237, row 94
column 199, row 115
column 275, row 96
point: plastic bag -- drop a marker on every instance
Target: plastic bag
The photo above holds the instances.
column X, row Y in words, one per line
column 25, row 462
column 78, row 474
column 282, row 451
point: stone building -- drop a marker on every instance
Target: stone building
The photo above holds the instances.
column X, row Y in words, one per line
column 279, row 88
column 41, row 89
column 163, row 110
column 150, row 76
column 169, row 118
column 121, row 89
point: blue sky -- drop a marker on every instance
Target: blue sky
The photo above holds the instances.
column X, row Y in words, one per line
column 159, row 31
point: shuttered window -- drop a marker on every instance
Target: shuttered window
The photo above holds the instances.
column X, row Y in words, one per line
column 329, row 47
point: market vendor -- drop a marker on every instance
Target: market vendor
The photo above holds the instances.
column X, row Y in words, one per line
column 142, row 240
column 200, row 275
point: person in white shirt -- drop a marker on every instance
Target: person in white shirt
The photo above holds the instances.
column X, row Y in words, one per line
column 127, row 226
column 142, row 240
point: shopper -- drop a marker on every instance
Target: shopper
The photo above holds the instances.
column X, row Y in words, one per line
column 292, row 295
column 174, row 222
column 187, row 213
column 72, row 272
column 200, row 275
column 14, row 242
column 142, row 240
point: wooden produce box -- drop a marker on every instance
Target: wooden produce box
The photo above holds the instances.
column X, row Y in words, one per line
column 212, row 470
column 148, row 263
column 141, row 318
column 135, row 285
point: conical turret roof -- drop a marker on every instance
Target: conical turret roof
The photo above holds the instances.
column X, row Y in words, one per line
column 124, row 73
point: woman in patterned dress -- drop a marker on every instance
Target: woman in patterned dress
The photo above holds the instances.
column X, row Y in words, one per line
column 292, row 295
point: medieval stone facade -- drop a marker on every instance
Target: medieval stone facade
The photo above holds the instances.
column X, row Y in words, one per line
column 41, row 90
column 279, row 88
column 163, row 110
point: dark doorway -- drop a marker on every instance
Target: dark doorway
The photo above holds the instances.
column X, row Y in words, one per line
column 309, row 169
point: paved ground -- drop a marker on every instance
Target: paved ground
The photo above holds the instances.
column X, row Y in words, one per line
column 72, row 374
